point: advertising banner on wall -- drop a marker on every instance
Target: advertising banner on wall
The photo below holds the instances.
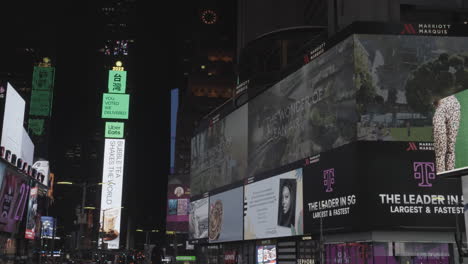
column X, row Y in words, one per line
column 32, row 216
column 407, row 191
column 178, row 202
column 13, row 118
column 13, row 197
column 111, row 197
column 401, row 78
column 273, row 206
column 218, row 154
column 332, row 193
column 226, row 216
column 450, row 130
column 115, row 106
column 117, row 81
column 198, row 219
column 392, row 185
column 47, row 227
column 310, row 111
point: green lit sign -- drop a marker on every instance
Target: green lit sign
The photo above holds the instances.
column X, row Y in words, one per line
column 40, row 103
column 36, row 126
column 115, row 106
column 43, row 78
column 114, row 130
column 186, row 258
column 117, row 81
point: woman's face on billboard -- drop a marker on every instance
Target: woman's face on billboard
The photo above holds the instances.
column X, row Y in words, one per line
column 286, row 195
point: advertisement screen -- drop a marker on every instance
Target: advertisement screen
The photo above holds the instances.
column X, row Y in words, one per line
column 178, row 201
column 111, row 197
column 273, row 206
column 400, row 78
column 198, row 219
column 332, row 190
column 13, row 197
column 218, row 154
column 266, row 254
column 226, row 216
column 32, row 223
column 27, row 148
column 450, row 130
column 310, row 111
column 405, row 190
column 115, row 106
column 378, row 185
column 13, row 118
column 48, row 227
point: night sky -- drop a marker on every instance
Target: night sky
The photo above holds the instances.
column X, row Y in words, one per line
column 66, row 32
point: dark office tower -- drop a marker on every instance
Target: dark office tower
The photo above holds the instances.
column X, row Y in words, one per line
column 99, row 33
column 206, row 69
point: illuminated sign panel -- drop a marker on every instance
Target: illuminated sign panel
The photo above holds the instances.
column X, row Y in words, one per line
column 111, row 197
column 115, row 106
column 117, row 82
column 114, row 130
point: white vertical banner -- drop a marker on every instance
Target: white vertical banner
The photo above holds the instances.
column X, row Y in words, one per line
column 111, row 197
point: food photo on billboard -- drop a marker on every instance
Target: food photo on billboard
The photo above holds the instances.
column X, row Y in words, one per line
column 226, row 215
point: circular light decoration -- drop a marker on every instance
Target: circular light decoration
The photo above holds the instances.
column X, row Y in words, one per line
column 209, row 17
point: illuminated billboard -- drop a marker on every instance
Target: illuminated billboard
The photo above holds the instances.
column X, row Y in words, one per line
column 178, row 201
column 117, row 81
column 198, row 219
column 13, row 118
column 226, row 216
column 219, row 153
column 273, row 206
column 47, row 227
column 13, row 197
column 115, row 106
column 111, row 196
column 32, row 223
column 450, row 130
column 114, row 130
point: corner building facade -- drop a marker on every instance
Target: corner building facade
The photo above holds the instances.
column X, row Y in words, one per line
column 334, row 163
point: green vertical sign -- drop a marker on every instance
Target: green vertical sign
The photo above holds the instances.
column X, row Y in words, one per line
column 117, row 82
column 41, row 102
column 36, row 126
column 43, row 78
column 114, row 130
column 41, row 94
column 115, row 106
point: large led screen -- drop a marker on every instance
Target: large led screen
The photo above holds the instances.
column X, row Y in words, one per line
column 13, row 118
column 47, row 227
column 405, row 190
column 378, row 185
column 178, row 201
column 226, row 216
column 27, row 148
column 219, row 153
column 310, row 111
column 198, row 219
column 273, row 206
column 332, row 190
column 400, row 78
column 111, row 195
column 33, row 218
column 266, row 254
column 13, row 197
column 450, row 130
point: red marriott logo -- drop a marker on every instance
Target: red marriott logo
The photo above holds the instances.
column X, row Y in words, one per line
column 411, row 146
column 408, row 29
